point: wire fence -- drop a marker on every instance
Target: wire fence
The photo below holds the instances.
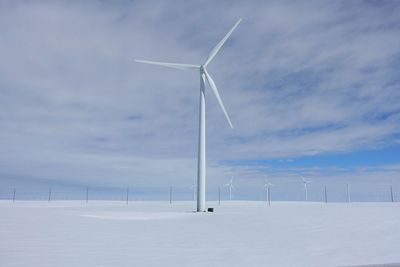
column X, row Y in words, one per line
column 316, row 193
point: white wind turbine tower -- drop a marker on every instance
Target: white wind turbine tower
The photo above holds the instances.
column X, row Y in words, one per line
column 230, row 186
column 267, row 186
column 305, row 187
column 204, row 75
column 348, row 193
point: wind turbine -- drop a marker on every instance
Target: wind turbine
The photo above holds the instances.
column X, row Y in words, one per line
column 267, row 186
column 348, row 193
column 204, row 75
column 305, row 187
column 230, row 185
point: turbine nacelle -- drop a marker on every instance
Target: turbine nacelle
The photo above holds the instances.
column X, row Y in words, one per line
column 267, row 182
column 305, row 181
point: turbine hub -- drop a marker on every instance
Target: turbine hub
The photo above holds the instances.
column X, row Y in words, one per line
column 202, row 69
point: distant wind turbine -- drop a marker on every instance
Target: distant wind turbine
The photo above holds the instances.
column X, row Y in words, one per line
column 204, row 75
column 230, row 186
column 267, row 186
column 348, row 193
column 305, row 187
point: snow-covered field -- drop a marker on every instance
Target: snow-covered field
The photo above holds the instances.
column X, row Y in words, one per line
column 73, row 233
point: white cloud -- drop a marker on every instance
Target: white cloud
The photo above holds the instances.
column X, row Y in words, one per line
column 298, row 78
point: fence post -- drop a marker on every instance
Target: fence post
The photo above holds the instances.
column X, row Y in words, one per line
column 219, row 196
column 170, row 195
column 391, row 193
column 326, row 196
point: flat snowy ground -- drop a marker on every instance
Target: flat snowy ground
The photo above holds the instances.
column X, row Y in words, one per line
column 73, row 233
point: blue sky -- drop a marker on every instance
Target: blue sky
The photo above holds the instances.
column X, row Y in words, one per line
column 349, row 160
column 312, row 88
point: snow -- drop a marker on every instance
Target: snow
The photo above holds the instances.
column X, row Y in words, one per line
column 101, row 233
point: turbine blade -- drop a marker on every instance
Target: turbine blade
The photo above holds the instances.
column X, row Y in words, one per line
column 214, row 52
column 216, row 93
column 178, row 66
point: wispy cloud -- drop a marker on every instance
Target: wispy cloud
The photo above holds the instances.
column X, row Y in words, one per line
column 298, row 78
